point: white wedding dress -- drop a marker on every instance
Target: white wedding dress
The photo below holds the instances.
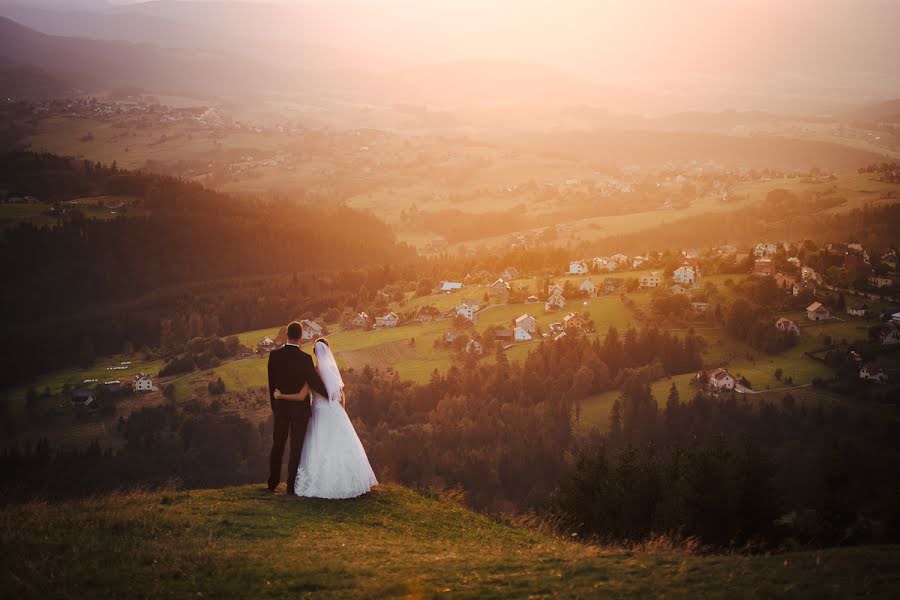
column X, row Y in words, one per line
column 333, row 464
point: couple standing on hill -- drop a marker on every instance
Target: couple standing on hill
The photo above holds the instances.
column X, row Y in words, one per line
column 326, row 458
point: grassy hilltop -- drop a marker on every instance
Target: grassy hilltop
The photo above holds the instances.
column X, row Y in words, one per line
column 394, row 542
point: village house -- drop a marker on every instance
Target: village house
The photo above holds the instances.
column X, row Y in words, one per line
column 532, row 300
column 142, row 383
column 388, row 321
column 685, row 275
column 794, row 261
column 266, row 345
column 619, row 259
column 578, row 267
column 451, row 286
column 428, row 313
column 872, row 372
column 311, row 330
column 473, row 346
column 691, row 253
column 637, row 261
column 520, row 335
column 785, row 324
column 817, row 312
column 587, row 286
column 612, row 285
column 717, row 379
column 527, row 323
column 763, row 267
column 650, row 281
column 555, row 302
column 574, row 322
column 554, row 289
column 466, row 311
column 83, row 398
column 880, row 281
column 499, row 288
column 699, row 307
column 858, row 309
column 360, row 321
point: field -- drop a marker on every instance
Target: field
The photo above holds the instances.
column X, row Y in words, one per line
column 97, row 207
column 394, row 542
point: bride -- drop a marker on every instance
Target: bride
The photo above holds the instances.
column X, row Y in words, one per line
column 334, row 463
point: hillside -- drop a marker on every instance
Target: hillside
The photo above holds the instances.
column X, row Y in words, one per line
column 395, row 542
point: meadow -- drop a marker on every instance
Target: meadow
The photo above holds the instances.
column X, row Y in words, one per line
column 393, row 542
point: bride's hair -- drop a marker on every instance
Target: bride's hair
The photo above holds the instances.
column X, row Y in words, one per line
column 323, row 340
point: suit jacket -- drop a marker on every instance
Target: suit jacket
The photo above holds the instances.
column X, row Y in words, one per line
column 289, row 369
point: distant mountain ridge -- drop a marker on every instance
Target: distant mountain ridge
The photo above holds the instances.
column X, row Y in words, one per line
column 97, row 64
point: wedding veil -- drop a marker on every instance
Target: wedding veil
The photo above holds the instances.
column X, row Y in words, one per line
column 328, row 370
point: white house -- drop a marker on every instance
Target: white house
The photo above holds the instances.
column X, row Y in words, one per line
column 785, row 324
column 360, row 321
column 872, row 372
column 619, row 259
column 650, row 281
column 691, row 253
column 387, row 321
column 467, row 311
column 587, row 286
column 527, row 323
column 555, row 302
column 685, row 275
column 311, row 330
column 817, row 312
column 637, row 261
column 142, row 383
column 578, row 267
column 520, row 335
column 720, row 379
column 266, row 345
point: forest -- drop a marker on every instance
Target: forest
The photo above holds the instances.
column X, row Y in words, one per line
column 94, row 284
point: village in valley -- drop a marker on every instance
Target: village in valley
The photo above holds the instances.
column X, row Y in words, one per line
column 831, row 325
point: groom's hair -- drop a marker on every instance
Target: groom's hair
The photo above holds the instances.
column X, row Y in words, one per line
column 294, row 331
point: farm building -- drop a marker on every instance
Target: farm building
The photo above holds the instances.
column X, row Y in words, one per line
column 311, row 330
column 527, row 322
column 587, row 286
column 685, row 275
column 872, row 372
column 574, row 322
column 142, row 383
column 520, row 335
column 360, row 321
column 266, row 345
column 817, row 312
column 577, row 267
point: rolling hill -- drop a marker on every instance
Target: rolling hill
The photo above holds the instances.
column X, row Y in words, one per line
column 238, row 542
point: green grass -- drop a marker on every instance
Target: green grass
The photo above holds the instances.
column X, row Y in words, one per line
column 75, row 376
column 237, row 542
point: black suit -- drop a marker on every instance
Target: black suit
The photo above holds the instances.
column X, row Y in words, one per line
column 290, row 368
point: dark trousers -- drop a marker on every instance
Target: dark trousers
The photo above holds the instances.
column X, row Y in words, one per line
column 287, row 424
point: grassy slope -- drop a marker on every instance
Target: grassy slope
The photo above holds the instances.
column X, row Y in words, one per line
column 393, row 542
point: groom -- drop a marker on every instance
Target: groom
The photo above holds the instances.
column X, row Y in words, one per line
column 291, row 371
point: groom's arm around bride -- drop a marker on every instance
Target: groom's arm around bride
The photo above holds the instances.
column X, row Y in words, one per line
column 291, row 371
